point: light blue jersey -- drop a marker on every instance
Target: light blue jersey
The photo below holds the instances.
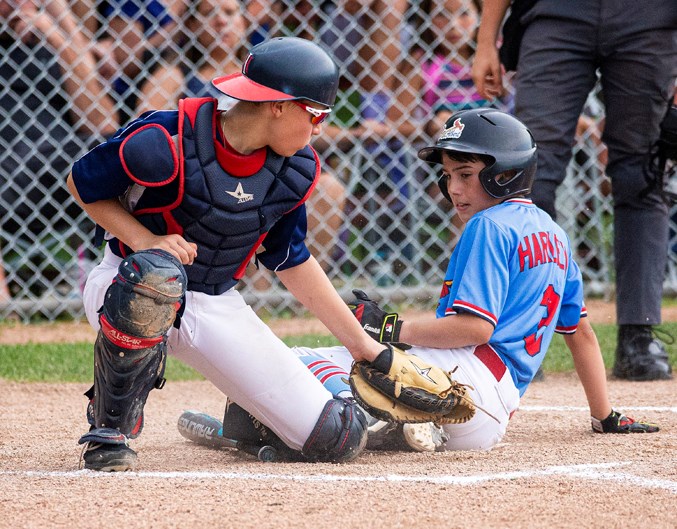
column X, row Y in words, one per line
column 513, row 267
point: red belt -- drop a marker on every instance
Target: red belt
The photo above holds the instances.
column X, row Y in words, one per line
column 490, row 358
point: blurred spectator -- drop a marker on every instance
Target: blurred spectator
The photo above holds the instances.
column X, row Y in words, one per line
column 439, row 72
column 214, row 46
column 53, row 109
column 438, row 83
column 5, row 295
column 364, row 37
column 134, row 38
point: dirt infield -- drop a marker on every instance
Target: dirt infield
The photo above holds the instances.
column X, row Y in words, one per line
column 550, row 471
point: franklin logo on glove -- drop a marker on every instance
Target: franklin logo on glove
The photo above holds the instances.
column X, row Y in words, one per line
column 379, row 324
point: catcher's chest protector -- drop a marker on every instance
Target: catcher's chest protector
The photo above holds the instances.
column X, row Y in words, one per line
column 227, row 216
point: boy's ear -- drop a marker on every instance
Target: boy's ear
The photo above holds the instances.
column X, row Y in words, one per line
column 442, row 182
column 277, row 107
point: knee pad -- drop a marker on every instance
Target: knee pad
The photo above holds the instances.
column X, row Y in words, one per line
column 340, row 434
column 130, row 350
column 146, row 293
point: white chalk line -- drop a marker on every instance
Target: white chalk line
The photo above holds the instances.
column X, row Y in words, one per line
column 593, row 472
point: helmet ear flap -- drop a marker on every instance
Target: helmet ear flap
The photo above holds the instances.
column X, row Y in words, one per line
column 442, row 182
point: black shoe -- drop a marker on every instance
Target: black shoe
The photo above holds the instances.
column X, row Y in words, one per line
column 240, row 425
column 640, row 356
column 252, row 435
column 107, row 450
column 109, row 458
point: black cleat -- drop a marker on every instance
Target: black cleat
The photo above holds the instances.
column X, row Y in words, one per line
column 253, row 436
column 108, row 457
column 640, row 356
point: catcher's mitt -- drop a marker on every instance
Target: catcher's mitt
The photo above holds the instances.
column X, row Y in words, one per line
column 410, row 391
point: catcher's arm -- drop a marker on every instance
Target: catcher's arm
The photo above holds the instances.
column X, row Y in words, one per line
column 458, row 330
column 114, row 218
column 308, row 283
column 589, row 365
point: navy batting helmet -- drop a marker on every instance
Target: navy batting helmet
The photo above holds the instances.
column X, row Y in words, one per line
column 497, row 135
column 283, row 69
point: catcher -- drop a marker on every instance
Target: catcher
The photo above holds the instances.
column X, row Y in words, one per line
column 511, row 283
column 187, row 198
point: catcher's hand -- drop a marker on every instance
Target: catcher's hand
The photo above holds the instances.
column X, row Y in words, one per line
column 400, row 387
column 379, row 324
column 619, row 423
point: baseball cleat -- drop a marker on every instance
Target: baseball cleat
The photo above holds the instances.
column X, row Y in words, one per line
column 640, row 356
column 424, row 437
column 421, row 437
column 108, row 458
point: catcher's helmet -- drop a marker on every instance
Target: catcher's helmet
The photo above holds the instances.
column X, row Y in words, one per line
column 283, row 69
column 492, row 133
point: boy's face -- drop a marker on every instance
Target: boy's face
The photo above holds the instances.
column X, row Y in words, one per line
column 465, row 189
column 293, row 128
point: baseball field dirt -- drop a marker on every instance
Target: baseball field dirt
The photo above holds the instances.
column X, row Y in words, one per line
column 550, row 471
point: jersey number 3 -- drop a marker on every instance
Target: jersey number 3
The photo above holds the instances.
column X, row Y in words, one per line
column 550, row 300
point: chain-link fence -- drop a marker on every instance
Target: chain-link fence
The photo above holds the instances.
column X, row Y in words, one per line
column 73, row 71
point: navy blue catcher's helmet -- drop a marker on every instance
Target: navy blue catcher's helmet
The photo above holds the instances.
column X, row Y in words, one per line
column 283, row 69
column 500, row 136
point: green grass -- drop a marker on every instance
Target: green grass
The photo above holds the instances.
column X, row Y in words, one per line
column 558, row 358
column 72, row 362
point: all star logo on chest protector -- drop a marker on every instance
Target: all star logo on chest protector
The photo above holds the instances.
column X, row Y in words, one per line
column 240, row 194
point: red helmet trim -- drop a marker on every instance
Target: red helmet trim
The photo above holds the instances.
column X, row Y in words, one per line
column 240, row 87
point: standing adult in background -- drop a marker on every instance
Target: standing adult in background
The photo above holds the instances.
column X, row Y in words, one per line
column 634, row 47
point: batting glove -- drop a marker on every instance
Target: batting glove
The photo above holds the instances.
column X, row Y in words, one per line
column 381, row 325
column 619, row 423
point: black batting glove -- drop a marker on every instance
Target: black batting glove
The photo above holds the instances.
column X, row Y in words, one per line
column 619, row 423
column 380, row 325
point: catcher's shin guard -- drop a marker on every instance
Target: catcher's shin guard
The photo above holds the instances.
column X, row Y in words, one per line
column 340, row 434
column 130, row 350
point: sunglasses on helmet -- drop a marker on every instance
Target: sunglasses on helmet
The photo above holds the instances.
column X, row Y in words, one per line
column 319, row 115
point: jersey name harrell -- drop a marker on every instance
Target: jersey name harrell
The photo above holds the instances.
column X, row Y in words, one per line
column 542, row 248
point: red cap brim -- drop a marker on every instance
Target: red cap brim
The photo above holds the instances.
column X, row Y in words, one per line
column 240, row 87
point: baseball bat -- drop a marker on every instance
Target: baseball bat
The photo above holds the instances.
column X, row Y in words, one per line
column 206, row 430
